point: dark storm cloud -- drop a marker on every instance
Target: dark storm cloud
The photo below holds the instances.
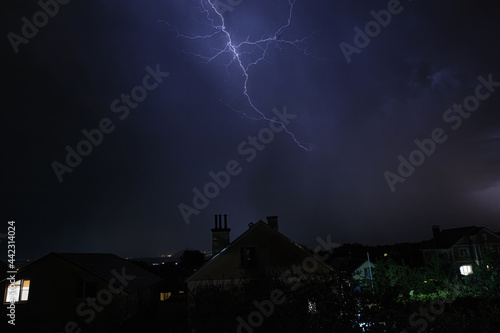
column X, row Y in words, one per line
column 356, row 119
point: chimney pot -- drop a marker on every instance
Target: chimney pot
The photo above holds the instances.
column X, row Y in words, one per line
column 220, row 236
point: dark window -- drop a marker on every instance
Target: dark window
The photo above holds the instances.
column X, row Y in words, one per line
column 85, row 288
column 463, row 252
column 248, row 257
column 367, row 272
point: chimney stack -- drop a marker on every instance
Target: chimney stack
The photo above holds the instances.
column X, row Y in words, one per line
column 220, row 235
column 272, row 221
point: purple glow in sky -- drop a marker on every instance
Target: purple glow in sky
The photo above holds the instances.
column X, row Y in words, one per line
column 227, row 71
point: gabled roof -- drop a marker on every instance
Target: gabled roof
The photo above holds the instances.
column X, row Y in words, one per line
column 101, row 265
column 448, row 237
column 264, row 229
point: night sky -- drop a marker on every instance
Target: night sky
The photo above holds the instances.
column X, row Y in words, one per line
column 353, row 104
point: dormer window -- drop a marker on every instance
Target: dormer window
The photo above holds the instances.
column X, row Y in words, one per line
column 248, row 257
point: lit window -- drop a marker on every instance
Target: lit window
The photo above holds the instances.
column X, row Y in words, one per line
column 165, row 296
column 18, row 292
column 466, row 269
column 463, row 252
column 248, row 257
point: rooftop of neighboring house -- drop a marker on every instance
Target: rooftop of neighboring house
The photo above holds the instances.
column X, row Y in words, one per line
column 446, row 238
column 100, row 265
column 281, row 252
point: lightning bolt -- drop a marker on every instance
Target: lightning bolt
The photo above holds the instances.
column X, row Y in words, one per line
column 258, row 48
